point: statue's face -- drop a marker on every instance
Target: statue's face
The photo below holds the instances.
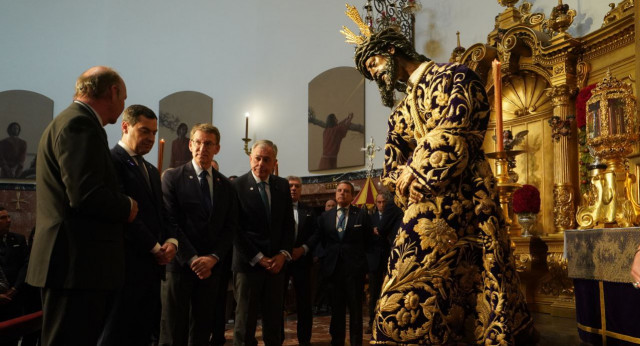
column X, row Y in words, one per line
column 384, row 71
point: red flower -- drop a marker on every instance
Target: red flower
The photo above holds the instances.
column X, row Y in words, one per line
column 526, row 200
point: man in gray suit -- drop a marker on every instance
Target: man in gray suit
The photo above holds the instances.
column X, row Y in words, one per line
column 78, row 248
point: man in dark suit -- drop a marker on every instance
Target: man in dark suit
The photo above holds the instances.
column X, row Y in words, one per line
column 376, row 258
column 202, row 204
column 150, row 242
column 262, row 245
column 78, row 248
column 345, row 234
column 14, row 256
column 299, row 270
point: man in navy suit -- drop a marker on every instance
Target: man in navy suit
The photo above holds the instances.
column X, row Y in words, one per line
column 150, row 241
column 202, row 203
column 299, row 270
column 376, row 258
column 262, row 245
column 345, row 233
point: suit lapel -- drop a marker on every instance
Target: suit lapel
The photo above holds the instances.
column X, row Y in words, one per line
column 131, row 165
column 255, row 198
column 353, row 215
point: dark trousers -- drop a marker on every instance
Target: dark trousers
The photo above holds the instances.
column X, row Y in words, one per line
column 135, row 311
column 220, row 307
column 74, row 317
column 258, row 292
column 300, row 273
column 346, row 291
column 376, row 278
column 187, row 308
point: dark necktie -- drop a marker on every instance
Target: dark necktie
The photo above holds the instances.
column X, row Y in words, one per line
column 143, row 169
column 204, row 187
column 342, row 214
column 262, row 187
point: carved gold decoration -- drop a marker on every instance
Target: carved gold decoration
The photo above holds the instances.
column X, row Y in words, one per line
column 624, row 8
column 612, row 130
column 561, row 18
column 524, row 94
column 582, row 70
column 507, row 3
column 457, row 52
column 506, row 188
column 563, row 206
column 556, row 282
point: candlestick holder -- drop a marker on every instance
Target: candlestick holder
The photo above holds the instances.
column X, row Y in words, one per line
column 506, row 187
column 246, row 145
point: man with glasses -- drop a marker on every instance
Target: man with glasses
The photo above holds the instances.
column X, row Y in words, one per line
column 201, row 203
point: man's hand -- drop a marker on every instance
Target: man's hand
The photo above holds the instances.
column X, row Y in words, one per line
column 635, row 267
column 277, row 264
column 265, row 262
column 404, row 181
column 202, row 266
column 134, row 210
column 415, row 192
column 297, row 253
column 169, row 251
column 375, row 231
column 7, row 296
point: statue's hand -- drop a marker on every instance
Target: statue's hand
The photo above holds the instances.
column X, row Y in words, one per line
column 404, row 181
column 415, row 192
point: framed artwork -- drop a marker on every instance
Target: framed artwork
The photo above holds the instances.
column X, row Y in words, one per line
column 179, row 112
column 23, row 117
column 336, row 120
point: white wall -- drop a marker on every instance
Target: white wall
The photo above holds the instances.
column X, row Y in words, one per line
column 249, row 55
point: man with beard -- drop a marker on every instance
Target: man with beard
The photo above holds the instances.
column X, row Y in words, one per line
column 150, row 242
column 451, row 262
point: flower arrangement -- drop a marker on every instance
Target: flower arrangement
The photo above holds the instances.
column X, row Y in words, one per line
column 526, row 200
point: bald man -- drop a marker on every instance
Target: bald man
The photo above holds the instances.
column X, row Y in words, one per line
column 78, row 248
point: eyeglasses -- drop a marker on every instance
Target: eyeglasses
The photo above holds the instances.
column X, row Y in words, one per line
column 207, row 144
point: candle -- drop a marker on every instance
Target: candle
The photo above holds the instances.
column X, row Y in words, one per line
column 246, row 125
column 497, row 92
column 160, row 154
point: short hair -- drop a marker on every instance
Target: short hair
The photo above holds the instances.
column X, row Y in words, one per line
column 96, row 84
column 206, row 128
column 293, row 177
column 12, row 125
column 2, row 208
column 132, row 114
column 266, row 143
column 348, row 183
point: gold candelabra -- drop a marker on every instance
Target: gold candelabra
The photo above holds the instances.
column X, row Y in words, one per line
column 506, row 186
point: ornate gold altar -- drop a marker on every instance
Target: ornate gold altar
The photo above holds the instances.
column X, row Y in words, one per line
column 543, row 68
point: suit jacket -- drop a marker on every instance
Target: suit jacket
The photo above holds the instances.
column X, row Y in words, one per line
column 78, row 241
column 355, row 241
column 378, row 246
column 15, row 259
column 307, row 227
column 202, row 230
column 151, row 225
column 257, row 232
column 390, row 222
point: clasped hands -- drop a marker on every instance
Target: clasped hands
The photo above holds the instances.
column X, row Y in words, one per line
column 273, row 264
column 407, row 183
column 203, row 265
column 166, row 254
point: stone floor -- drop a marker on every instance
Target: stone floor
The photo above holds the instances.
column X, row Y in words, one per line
column 554, row 331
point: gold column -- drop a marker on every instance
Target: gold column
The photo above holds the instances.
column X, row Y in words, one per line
column 564, row 209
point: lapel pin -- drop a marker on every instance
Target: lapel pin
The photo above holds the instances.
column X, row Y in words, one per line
column 251, row 188
column 191, row 177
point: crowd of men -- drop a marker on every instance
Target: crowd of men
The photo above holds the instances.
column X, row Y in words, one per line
column 127, row 257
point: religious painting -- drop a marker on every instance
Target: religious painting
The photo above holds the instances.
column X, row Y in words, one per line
column 23, row 115
column 179, row 112
column 336, row 120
